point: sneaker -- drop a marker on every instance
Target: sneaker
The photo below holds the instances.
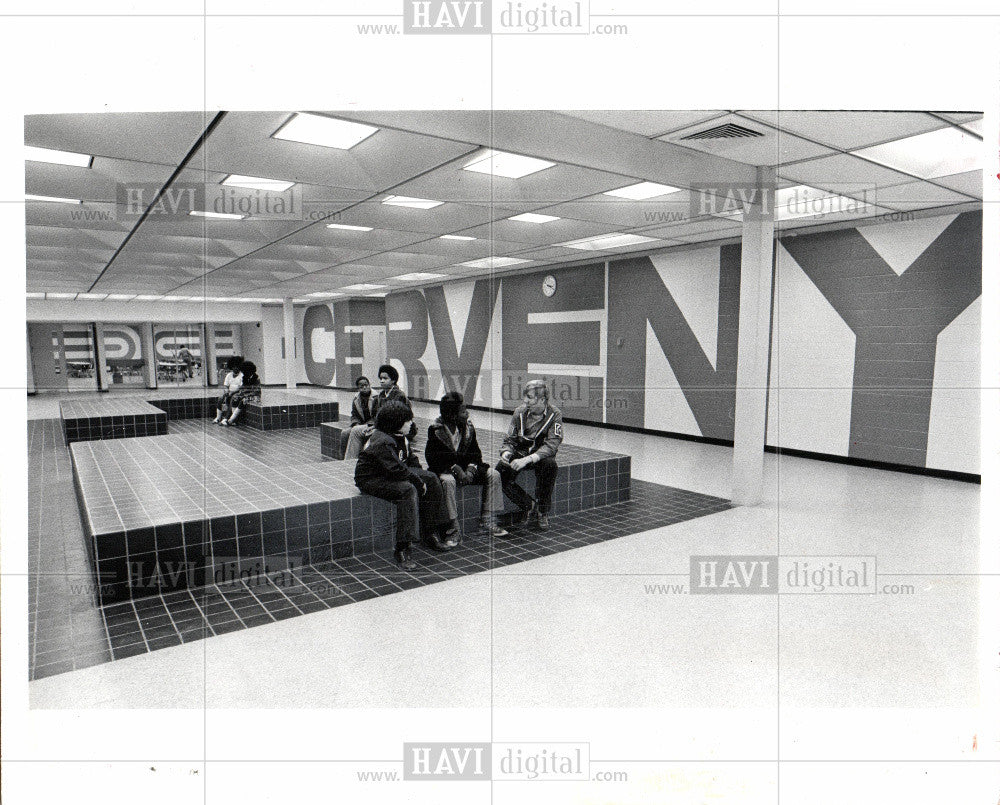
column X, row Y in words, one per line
column 494, row 529
column 533, row 513
column 452, row 537
column 224, row 422
column 543, row 522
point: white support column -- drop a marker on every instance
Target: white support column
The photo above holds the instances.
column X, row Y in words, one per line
column 208, row 354
column 148, row 354
column 100, row 362
column 754, row 342
column 289, row 312
column 31, row 369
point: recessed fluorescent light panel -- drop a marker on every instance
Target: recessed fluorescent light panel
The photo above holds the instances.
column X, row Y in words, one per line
column 613, row 240
column 418, row 276
column 407, row 201
column 325, row 293
column 326, row 131
column 55, row 157
column 60, row 296
column 362, row 286
column 379, row 295
column 457, row 237
column 91, row 296
column 349, row 227
column 228, row 216
column 494, row 262
column 147, row 297
column 937, row 153
column 257, row 183
column 510, row 166
column 533, row 218
column 53, row 199
column 643, row 190
column 121, row 297
column 34, row 295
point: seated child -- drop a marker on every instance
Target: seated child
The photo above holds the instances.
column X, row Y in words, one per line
column 362, row 418
column 387, row 469
column 246, row 393
column 453, row 452
column 234, row 379
column 532, row 441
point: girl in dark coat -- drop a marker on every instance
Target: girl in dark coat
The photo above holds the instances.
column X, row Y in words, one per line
column 389, row 470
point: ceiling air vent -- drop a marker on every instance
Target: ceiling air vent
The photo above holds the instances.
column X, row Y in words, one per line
column 727, row 131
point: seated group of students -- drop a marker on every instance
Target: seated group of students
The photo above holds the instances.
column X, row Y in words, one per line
column 241, row 386
column 381, row 428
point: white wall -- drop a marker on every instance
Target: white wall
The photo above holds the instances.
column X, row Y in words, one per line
column 812, row 367
column 251, row 334
column 953, row 432
column 271, row 366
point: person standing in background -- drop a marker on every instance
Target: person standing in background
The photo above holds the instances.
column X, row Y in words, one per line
column 184, row 354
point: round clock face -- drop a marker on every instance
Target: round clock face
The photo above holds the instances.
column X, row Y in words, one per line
column 549, row 285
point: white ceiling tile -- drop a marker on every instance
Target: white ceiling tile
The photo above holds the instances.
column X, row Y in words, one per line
column 844, row 174
column 917, row 196
column 648, row 123
column 970, row 183
column 849, row 131
column 163, row 137
column 624, row 213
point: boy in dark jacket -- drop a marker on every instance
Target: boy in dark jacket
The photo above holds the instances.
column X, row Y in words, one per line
column 387, row 469
column 388, row 379
column 453, row 453
column 362, row 418
column 533, row 438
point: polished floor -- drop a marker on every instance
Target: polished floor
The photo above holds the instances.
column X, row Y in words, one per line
column 610, row 625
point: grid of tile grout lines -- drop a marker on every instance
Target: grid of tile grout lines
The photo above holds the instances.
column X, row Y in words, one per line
column 147, row 624
column 69, row 631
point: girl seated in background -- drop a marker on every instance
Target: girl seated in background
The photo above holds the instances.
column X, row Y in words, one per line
column 234, row 379
column 248, row 392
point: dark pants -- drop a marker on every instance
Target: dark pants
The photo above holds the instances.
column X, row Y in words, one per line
column 545, row 480
column 410, row 505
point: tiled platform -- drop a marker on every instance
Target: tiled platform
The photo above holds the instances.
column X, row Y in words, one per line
column 169, row 512
column 333, row 438
column 192, row 406
column 128, row 417
column 68, row 632
column 280, row 409
column 120, row 418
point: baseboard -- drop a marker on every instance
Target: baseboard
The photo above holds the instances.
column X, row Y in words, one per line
column 950, row 475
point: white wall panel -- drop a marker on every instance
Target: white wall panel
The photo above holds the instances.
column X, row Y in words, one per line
column 812, row 367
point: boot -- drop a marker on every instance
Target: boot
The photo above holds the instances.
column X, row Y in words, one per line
column 403, row 558
column 433, row 540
